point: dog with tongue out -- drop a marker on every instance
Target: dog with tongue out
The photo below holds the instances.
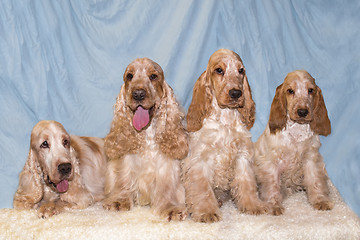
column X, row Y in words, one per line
column 62, row 171
column 145, row 145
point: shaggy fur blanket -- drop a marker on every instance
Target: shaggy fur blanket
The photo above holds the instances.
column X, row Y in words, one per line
column 300, row 221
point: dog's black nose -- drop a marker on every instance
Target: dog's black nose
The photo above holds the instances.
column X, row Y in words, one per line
column 235, row 94
column 139, row 94
column 302, row 112
column 64, row 168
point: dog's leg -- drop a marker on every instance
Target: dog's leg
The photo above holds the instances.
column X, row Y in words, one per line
column 268, row 177
column 169, row 194
column 200, row 197
column 243, row 187
column 118, row 195
column 48, row 209
column 315, row 181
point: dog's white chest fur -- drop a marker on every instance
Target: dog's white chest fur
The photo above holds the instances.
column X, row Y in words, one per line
column 143, row 167
column 293, row 142
column 215, row 144
column 150, row 147
column 295, row 132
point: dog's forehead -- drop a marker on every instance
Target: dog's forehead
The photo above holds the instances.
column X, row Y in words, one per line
column 301, row 87
column 144, row 65
column 47, row 130
column 304, row 75
column 299, row 79
column 230, row 59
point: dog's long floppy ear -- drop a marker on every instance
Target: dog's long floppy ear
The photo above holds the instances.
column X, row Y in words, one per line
column 122, row 136
column 201, row 103
column 171, row 135
column 321, row 122
column 277, row 119
column 30, row 190
column 248, row 111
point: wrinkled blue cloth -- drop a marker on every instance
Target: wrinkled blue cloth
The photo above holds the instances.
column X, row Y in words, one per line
column 64, row 60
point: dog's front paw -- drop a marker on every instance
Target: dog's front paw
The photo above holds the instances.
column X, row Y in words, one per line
column 323, row 205
column 276, row 209
column 49, row 209
column 177, row 213
column 254, row 208
column 117, row 205
column 208, row 217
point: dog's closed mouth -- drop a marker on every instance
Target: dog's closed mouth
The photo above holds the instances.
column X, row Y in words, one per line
column 301, row 120
column 61, row 187
column 231, row 105
column 141, row 117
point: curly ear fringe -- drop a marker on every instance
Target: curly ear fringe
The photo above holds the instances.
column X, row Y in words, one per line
column 248, row 111
column 200, row 106
column 171, row 134
column 122, row 136
column 277, row 119
column 30, row 190
column 321, row 122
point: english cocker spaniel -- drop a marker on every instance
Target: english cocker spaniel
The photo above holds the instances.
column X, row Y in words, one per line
column 287, row 157
column 146, row 141
column 61, row 171
column 219, row 165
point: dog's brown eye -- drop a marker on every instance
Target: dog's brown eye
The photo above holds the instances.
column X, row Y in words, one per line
column 290, row 91
column 129, row 76
column 310, row 90
column 219, row 71
column 241, row 70
column 66, row 142
column 153, row 77
column 44, row 145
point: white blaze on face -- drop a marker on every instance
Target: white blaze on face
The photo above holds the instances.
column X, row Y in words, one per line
column 140, row 72
column 302, row 94
column 301, row 90
column 231, row 67
column 57, row 150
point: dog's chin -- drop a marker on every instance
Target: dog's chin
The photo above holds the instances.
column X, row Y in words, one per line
column 231, row 105
column 301, row 120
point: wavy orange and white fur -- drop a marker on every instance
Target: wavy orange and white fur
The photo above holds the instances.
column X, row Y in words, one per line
column 219, row 165
column 146, row 142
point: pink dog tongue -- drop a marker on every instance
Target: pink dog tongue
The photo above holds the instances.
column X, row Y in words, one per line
column 62, row 186
column 141, row 118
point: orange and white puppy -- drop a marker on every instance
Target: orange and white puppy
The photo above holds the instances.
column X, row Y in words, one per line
column 287, row 157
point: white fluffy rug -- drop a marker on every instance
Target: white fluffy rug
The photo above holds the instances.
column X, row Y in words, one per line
column 300, row 221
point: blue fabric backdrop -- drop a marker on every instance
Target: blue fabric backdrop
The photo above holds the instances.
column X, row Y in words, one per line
column 64, row 60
